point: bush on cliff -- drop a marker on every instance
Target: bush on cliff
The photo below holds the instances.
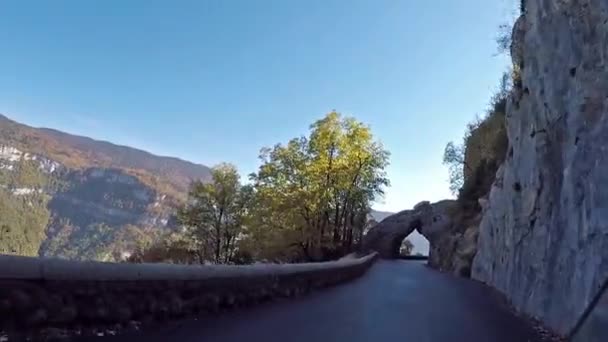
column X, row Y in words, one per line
column 473, row 164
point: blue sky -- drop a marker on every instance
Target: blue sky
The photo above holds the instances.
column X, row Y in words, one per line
column 212, row 80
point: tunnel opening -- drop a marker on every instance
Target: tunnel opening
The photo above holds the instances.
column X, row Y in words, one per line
column 412, row 244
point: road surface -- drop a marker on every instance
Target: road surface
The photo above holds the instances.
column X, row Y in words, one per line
column 394, row 301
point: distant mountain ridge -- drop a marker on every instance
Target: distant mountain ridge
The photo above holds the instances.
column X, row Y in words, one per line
column 79, row 198
column 81, row 152
column 380, row 215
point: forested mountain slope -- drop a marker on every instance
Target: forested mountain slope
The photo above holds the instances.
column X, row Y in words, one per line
column 72, row 196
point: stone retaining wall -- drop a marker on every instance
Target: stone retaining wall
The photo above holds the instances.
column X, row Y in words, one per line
column 41, row 293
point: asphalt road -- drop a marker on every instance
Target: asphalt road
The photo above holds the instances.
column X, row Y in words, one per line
column 395, row 301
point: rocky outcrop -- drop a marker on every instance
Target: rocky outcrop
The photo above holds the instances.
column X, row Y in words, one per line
column 430, row 220
column 454, row 250
column 452, row 246
column 544, row 232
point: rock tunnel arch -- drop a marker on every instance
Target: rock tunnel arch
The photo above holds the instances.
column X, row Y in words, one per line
column 430, row 220
column 397, row 243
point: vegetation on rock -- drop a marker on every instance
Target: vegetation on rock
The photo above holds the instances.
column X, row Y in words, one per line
column 472, row 169
column 97, row 241
column 472, row 165
column 23, row 216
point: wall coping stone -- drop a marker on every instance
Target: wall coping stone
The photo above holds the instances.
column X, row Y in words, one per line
column 32, row 268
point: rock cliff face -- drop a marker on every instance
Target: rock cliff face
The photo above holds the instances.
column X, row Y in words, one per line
column 544, row 232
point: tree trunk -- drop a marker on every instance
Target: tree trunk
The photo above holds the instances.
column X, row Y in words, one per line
column 218, row 236
column 228, row 247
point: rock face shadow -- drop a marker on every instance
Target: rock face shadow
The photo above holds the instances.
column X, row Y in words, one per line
column 593, row 326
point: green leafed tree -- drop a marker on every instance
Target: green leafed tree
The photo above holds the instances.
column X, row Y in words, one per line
column 215, row 214
column 23, row 217
column 313, row 194
column 453, row 157
column 23, row 220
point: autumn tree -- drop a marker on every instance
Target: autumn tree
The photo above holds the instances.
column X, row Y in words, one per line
column 215, row 214
column 453, row 158
column 314, row 193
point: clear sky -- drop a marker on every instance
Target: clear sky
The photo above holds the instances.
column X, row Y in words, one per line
column 216, row 80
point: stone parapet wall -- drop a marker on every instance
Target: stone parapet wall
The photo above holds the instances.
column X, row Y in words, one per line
column 40, row 293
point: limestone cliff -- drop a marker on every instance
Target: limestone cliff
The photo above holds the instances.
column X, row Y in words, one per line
column 543, row 238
